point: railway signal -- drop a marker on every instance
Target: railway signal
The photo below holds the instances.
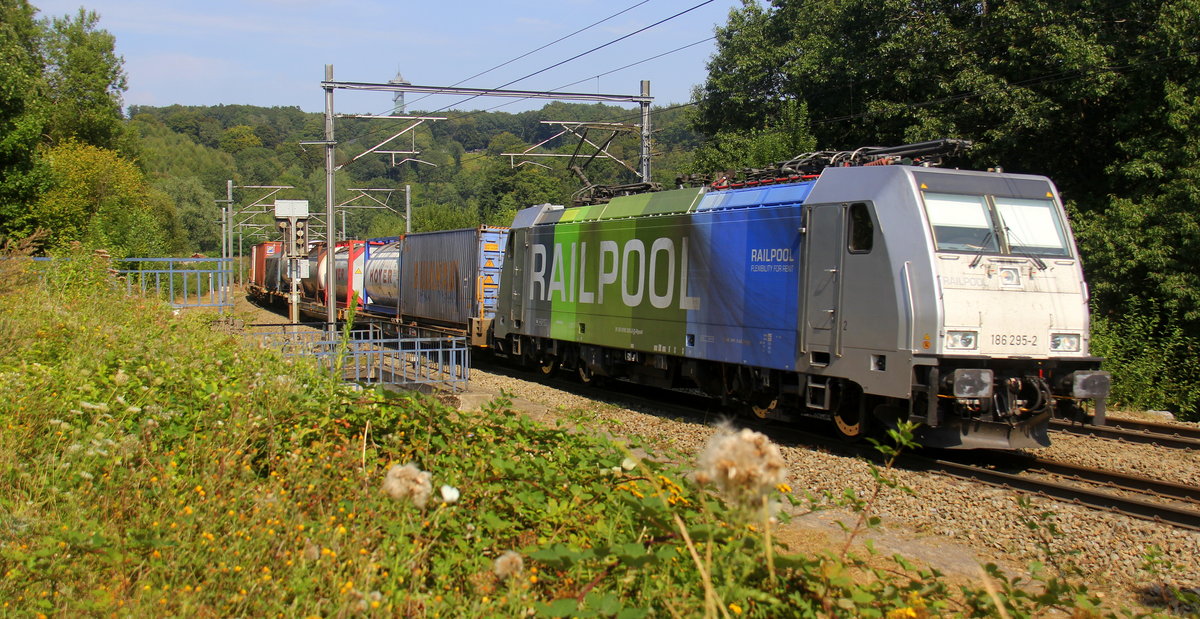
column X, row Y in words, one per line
column 291, row 217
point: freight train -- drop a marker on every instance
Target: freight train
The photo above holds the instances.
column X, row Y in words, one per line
column 861, row 294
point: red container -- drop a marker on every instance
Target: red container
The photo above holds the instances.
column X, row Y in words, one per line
column 258, row 261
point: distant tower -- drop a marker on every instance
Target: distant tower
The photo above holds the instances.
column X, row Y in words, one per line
column 398, row 98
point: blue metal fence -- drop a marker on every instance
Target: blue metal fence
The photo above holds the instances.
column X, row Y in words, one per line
column 182, row 282
column 368, row 355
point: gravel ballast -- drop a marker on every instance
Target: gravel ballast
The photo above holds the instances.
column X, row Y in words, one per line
column 947, row 522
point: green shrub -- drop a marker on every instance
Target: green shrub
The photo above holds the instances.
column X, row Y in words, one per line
column 1155, row 364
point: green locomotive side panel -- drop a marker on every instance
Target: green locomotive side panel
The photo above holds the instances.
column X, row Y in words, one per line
column 617, row 283
column 640, row 205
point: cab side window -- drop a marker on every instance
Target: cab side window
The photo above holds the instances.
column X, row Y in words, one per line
column 861, row 236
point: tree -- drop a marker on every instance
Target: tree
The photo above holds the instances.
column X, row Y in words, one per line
column 238, row 138
column 1103, row 96
column 85, row 80
column 102, row 200
column 197, row 212
column 1099, row 95
column 22, row 115
column 782, row 139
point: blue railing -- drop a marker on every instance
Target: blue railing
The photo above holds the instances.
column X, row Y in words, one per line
column 368, row 355
column 182, row 282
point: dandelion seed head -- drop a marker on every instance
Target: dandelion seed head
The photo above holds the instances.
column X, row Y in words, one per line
column 508, row 565
column 450, row 494
column 408, row 483
column 744, row 465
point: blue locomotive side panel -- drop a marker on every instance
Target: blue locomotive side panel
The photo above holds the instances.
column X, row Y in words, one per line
column 744, row 268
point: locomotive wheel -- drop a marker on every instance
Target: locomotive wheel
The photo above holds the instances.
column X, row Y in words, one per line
column 547, row 365
column 763, row 411
column 586, row 375
column 850, row 422
column 851, row 419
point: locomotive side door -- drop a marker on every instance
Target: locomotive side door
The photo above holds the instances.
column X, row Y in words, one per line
column 821, row 292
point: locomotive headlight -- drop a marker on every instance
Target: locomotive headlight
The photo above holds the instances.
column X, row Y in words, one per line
column 1010, row 277
column 1064, row 342
column 962, row 340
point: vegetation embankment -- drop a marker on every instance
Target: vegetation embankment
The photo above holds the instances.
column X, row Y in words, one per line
column 1101, row 97
column 153, row 465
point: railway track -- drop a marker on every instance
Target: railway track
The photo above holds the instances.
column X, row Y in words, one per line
column 1135, row 496
column 1131, row 495
column 1161, row 434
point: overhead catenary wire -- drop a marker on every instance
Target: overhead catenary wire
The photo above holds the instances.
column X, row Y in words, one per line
column 1047, row 78
column 582, row 54
column 598, row 75
column 369, row 134
column 534, row 51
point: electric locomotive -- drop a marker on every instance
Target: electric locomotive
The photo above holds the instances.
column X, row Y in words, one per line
column 868, row 291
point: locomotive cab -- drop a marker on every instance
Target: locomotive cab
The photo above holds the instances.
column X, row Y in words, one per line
column 978, row 278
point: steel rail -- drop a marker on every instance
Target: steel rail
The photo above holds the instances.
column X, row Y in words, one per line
column 1163, row 435
column 1125, row 481
column 1097, row 499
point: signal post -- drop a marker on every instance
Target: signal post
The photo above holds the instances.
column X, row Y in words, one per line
column 291, row 217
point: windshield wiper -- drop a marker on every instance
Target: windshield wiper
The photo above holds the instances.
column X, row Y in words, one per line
column 982, row 248
column 1031, row 256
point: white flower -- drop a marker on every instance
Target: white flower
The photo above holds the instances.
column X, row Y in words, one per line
column 450, row 494
column 628, row 464
column 508, row 565
column 744, row 465
column 408, row 482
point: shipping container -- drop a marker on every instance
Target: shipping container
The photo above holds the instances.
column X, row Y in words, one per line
column 258, row 261
column 274, row 276
column 451, row 277
column 382, row 278
column 348, row 271
column 313, row 286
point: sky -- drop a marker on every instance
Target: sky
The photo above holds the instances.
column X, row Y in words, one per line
column 274, row 52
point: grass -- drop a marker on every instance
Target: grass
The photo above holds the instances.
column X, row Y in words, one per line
column 152, row 465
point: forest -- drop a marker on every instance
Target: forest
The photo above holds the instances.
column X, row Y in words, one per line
column 1101, row 96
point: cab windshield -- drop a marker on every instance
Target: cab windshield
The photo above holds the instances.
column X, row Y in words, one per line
column 995, row 225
